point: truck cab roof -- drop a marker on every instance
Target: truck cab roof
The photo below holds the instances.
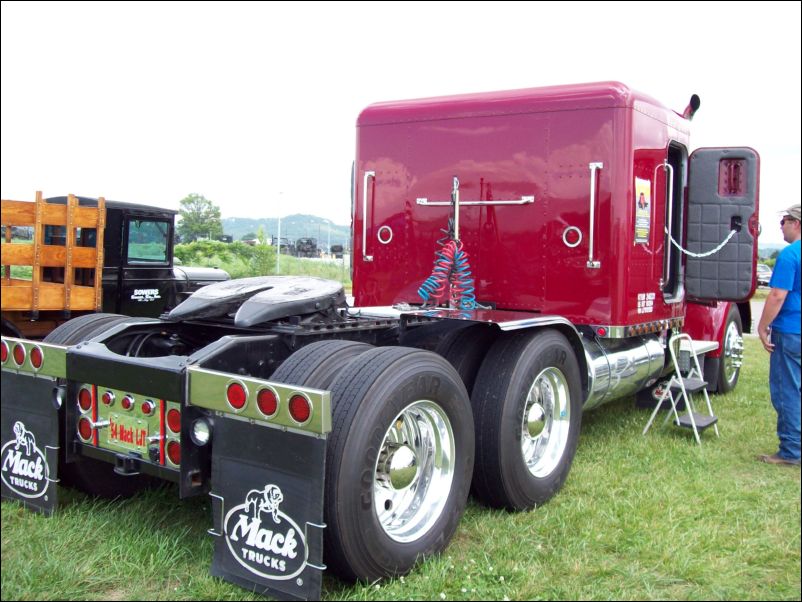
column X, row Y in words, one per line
column 116, row 205
column 598, row 95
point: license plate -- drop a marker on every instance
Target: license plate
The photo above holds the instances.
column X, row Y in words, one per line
column 128, row 432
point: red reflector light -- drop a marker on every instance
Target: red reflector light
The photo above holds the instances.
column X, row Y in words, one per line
column 601, row 331
column 267, row 401
column 147, row 407
column 174, row 420
column 236, row 396
column 300, row 409
column 127, row 402
column 19, row 354
column 174, row 452
column 85, row 400
column 4, row 352
column 85, row 429
column 36, row 358
column 107, row 398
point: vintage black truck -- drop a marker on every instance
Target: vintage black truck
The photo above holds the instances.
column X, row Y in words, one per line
column 132, row 271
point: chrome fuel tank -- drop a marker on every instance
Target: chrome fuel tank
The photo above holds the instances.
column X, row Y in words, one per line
column 621, row 367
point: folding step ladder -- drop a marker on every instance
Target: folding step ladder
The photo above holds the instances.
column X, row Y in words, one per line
column 686, row 381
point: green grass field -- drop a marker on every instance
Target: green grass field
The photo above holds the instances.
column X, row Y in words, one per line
column 640, row 518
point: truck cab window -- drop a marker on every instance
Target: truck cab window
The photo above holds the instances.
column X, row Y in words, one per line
column 148, row 241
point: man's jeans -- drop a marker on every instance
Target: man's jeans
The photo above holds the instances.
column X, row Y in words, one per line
column 784, row 385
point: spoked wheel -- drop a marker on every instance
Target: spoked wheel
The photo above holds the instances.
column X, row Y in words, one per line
column 400, row 456
column 527, row 411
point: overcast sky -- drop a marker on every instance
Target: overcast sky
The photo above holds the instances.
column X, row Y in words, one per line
column 253, row 105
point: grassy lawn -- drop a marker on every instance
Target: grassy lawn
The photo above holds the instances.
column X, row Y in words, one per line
column 639, row 518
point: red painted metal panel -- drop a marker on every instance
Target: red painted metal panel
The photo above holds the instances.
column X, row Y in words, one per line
column 504, row 146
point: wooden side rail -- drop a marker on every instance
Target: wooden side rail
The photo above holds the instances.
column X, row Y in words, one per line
column 19, row 294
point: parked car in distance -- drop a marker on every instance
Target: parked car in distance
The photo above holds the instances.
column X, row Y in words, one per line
column 763, row 274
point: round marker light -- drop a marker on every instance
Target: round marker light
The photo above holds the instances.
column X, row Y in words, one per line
column 267, row 401
column 85, row 429
column 107, row 398
column 300, row 408
column 174, row 452
column 19, row 354
column 36, row 358
column 85, row 399
column 127, row 402
column 174, row 420
column 236, row 395
column 4, row 352
column 201, row 432
column 147, row 407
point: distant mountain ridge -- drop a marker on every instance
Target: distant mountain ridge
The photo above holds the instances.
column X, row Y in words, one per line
column 292, row 226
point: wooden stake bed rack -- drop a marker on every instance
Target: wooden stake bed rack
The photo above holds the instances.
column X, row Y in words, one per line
column 53, row 284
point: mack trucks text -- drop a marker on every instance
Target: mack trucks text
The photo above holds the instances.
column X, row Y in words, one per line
column 519, row 258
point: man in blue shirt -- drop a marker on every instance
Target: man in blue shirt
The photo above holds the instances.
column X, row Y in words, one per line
column 779, row 331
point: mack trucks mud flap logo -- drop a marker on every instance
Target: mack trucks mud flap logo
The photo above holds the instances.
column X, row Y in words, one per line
column 25, row 470
column 263, row 539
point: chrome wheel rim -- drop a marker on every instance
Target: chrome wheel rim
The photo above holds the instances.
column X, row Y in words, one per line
column 414, row 471
column 733, row 353
column 545, row 424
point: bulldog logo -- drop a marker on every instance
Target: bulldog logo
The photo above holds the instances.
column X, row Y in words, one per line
column 264, row 500
column 274, row 547
column 25, row 470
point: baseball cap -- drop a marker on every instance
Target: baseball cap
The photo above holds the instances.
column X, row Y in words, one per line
column 793, row 211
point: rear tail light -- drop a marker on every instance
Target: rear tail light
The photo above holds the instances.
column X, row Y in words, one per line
column 300, row 409
column 85, row 429
column 147, row 407
column 36, row 358
column 85, row 399
column 127, row 402
column 107, row 398
column 4, row 352
column 19, row 354
column 174, row 452
column 267, row 401
column 236, row 395
column 174, row 420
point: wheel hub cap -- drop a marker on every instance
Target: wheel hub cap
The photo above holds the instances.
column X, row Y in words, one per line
column 545, row 424
column 414, row 471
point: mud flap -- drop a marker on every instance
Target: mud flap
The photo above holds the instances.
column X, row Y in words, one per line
column 267, row 492
column 30, row 441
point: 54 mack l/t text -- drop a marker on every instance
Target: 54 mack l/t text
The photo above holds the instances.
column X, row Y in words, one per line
column 519, row 258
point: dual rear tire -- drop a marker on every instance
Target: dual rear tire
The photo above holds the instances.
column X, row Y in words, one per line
column 400, row 457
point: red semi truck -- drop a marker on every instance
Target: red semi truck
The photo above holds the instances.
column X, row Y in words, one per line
column 518, row 258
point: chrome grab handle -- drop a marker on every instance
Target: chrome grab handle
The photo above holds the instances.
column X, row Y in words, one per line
column 455, row 199
column 524, row 200
column 670, row 202
column 368, row 174
column 594, row 167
